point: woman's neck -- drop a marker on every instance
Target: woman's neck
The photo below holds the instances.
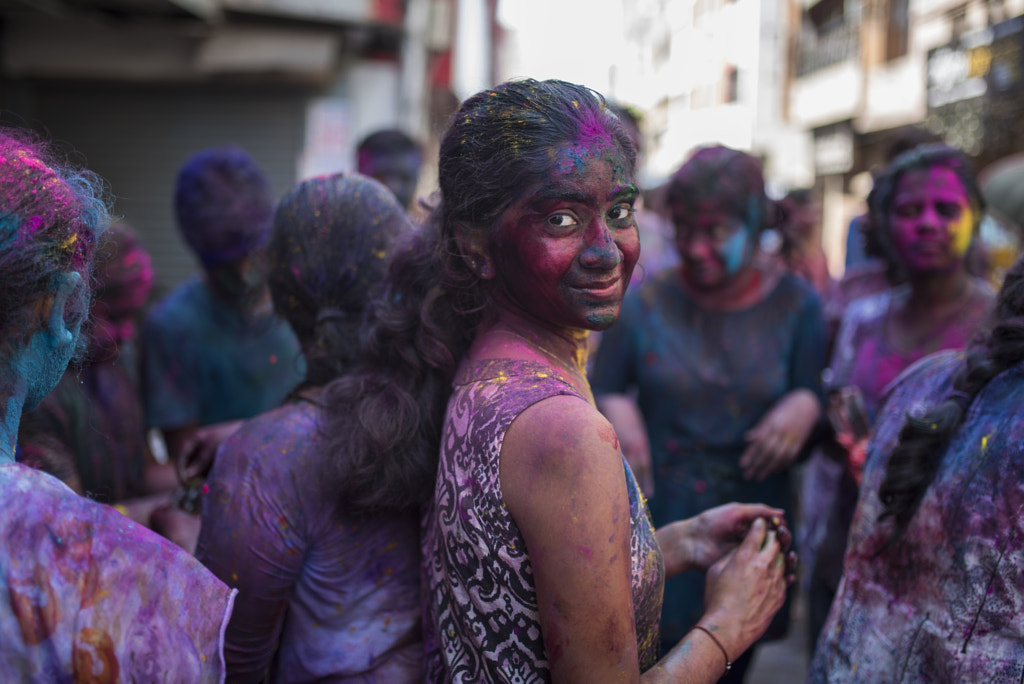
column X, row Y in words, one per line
column 935, row 291
column 14, row 401
column 748, row 287
column 924, row 310
column 512, row 335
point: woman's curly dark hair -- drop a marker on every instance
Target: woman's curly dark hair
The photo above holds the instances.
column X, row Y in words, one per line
column 385, row 418
column 328, row 254
column 730, row 178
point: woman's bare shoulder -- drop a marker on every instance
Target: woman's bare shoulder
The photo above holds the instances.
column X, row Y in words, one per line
column 562, row 438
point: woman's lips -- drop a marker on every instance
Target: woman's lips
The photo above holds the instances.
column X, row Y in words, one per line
column 603, row 288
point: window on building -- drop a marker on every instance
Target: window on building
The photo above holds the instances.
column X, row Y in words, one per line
column 898, row 30
column 731, row 84
column 958, row 19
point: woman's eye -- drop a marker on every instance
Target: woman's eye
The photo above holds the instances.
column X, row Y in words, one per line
column 620, row 213
column 948, row 209
column 562, row 220
column 906, row 210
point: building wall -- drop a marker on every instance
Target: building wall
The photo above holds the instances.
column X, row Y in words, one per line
column 723, row 81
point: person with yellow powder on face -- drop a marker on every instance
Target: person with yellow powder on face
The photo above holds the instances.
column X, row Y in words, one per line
column 928, row 208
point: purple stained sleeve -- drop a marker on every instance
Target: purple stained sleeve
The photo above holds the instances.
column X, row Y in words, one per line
column 88, row 595
column 250, row 540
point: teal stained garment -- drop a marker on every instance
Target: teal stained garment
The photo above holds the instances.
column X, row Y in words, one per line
column 204, row 362
column 703, row 378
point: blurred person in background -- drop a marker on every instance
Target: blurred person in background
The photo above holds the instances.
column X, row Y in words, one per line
column 328, row 589
column 89, row 431
column 393, row 158
column 927, row 208
column 725, row 355
column 86, row 594
column 869, row 267
column 213, row 351
column 799, row 227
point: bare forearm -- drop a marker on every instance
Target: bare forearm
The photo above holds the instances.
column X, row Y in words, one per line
column 677, row 546
column 694, row 660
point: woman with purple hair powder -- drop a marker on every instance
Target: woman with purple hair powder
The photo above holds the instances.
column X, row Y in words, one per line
column 85, row 593
column 328, row 590
column 213, row 351
column 539, row 560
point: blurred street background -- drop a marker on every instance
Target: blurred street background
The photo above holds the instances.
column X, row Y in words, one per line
column 817, row 88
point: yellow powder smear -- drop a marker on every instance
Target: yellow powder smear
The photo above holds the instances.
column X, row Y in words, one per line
column 962, row 231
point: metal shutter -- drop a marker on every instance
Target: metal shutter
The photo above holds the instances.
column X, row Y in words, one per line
column 137, row 136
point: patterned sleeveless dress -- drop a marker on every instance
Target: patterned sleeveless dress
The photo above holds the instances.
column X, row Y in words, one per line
column 481, row 622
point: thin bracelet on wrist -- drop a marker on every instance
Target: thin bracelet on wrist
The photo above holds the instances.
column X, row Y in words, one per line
column 728, row 663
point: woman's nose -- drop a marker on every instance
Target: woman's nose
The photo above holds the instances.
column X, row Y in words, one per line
column 601, row 250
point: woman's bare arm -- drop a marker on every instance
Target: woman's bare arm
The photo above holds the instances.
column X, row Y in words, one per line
column 624, row 415
column 563, row 481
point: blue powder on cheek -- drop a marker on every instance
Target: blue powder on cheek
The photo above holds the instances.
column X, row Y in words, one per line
column 734, row 251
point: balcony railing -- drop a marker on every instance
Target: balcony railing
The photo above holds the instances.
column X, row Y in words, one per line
column 835, row 42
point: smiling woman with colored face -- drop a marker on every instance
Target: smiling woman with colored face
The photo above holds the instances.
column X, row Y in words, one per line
column 539, row 560
column 564, row 251
column 724, row 355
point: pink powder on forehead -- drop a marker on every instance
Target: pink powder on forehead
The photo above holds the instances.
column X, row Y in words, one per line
column 594, row 131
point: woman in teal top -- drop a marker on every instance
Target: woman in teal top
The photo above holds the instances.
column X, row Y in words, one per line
column 724, row 355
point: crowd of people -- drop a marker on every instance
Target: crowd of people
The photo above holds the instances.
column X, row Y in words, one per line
column 462, row 438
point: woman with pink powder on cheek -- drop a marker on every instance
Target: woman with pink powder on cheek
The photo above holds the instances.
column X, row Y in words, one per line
column 927, row 207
